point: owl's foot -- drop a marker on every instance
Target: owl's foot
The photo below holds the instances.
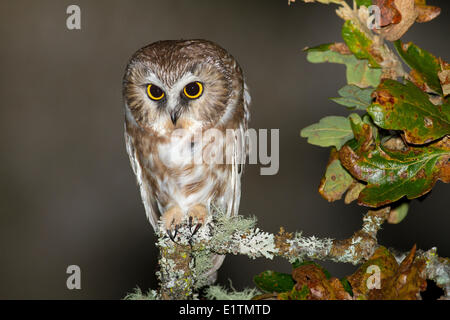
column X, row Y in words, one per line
column 172, row 218
column 197, row 214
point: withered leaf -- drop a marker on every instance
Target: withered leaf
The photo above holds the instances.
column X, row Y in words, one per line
column 381, row 260
column 390, row 174
column 353, row 192
column 397, row 214
column 336, row 180
column 388, row 11
column 444, row 77
column 426, row 13
column 395, row 282
column 408, row 15
column 407, row 108
column 320, row 287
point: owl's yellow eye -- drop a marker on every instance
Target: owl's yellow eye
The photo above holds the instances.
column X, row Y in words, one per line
column 155, row 92
column 193, row 90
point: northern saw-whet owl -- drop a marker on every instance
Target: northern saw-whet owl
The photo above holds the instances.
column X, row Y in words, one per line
column 196, row 86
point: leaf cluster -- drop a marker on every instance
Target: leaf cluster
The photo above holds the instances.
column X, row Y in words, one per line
column 380, row 278
column 396, row 144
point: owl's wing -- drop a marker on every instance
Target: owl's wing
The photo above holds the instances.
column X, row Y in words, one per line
column 240, row 152
column 146, row 195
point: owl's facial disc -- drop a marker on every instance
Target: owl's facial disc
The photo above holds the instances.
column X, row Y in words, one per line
column 191, row 91
column 181, row 94
column 185, row 89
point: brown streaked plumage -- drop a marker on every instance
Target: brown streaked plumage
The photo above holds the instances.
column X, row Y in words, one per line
column 172, row 188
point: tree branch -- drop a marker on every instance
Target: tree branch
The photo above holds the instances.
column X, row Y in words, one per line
column 184, row 262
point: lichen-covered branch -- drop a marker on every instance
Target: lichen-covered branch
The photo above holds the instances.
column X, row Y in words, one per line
column 355, row 249
column 184, row 262
column 436, row 268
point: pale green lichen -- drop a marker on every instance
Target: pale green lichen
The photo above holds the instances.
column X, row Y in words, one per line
column 238, row 235
column 221, row 293
column 225, row 227
column 256, row 244
column 139, row 295
column 351, row 254
column 310, row 247
column 372, row 223
column 201, row 264
column 438, row 270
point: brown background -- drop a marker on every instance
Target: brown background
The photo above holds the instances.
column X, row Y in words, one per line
column 68, row 194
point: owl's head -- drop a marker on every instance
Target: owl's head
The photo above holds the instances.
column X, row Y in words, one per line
column 182, row 84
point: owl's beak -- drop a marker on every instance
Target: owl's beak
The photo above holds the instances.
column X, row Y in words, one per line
column 174, row 115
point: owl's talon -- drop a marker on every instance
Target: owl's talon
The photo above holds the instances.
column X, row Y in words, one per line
column 172, row 234
column 172, row 219
column 197, row 213
column 196, row 228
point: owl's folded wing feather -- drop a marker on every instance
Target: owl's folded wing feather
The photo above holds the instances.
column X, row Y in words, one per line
column 146, row 196
column 240, row 152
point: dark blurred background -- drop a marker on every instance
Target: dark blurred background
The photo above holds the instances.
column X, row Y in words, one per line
column 67, row 192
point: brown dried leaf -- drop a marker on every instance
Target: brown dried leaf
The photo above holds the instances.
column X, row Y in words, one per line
column 397, row 282
column 336, row 180
column 408, row 13
column 398, row 213
column 426, row 13
column 389, row 12
column 407, row 283
column 417, row 79
column 397, row 16
column 444, row 77
column 395, row 144
column 353, row 191
column 444, row 173
column 340, row 47
column 320, row 287
column 387, row 265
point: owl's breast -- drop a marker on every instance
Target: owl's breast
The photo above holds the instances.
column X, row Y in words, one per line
column 179, row 174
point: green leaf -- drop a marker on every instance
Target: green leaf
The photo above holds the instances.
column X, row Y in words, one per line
column 272, row 281
column 353, row 97
column 366, row 3
column 407, row 108
column 330, row 131
column 297, row 263
column 295, row 294
column 393, row 174
column 336, row 180
column 357, row 71
column 423, row 62
column 347, row 286
column 359, row 44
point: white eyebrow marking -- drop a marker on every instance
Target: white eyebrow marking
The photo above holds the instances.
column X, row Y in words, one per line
column 153, row 79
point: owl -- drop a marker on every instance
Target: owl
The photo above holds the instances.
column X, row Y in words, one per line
column 174, row 93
